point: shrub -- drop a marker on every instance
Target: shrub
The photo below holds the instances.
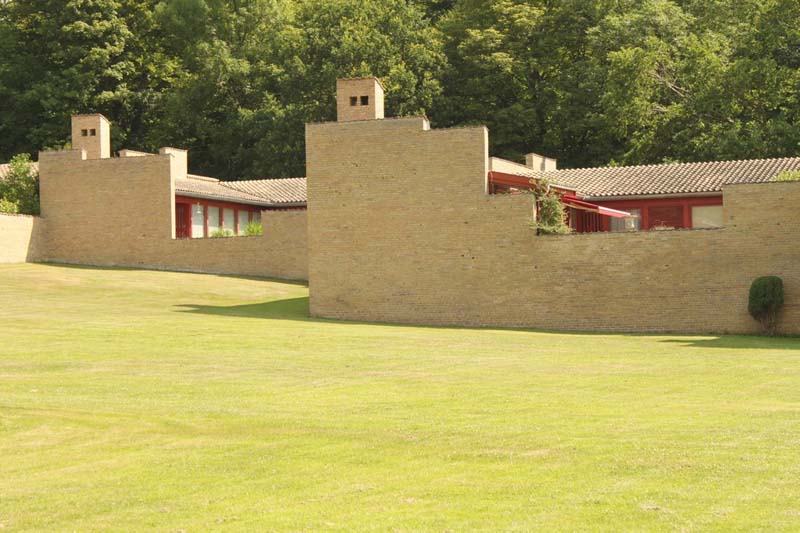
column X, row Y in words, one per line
column 7, row 206
column 550, row 215
column 252, row 229
column 19, row 191
column 788, row 175
column 220, row 233
column 766, row 299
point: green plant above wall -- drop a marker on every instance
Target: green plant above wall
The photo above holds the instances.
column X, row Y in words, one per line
column 19, row 190
column 253, row 229
column 550, row 216
column 789, row 175
column 766, row 300
column 221, row 233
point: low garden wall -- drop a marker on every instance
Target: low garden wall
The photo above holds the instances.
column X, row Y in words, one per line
column 20, row 238
column 120, row 212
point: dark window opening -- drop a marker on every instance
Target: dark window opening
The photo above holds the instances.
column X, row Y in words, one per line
column 365, row 100
column 93, row 132
column 354, row 100
column 84, row 133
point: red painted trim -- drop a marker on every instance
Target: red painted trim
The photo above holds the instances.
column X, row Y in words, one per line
column 220, row 206
column 518, row 182
column 577, row 203
column 686, row 203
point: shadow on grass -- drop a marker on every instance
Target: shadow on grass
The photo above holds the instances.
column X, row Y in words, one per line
column 72, row 266
column 739, row 342
column 297, row 309
column 289, row 309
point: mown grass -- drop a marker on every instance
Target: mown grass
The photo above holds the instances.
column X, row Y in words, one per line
column 137, row 400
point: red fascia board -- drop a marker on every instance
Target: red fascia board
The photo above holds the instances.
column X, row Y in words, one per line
column 572, row 201
column 521, row 182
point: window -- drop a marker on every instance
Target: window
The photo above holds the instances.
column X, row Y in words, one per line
column 257, row 217
column 707, row 216
column 365, row 100
column 667, row 217
column 84, row 133
column 229, row 220
column 213, row 219
column 93, row 132
column 354, row 100
column 198, row 221
column 631, row 223
column 244, row 220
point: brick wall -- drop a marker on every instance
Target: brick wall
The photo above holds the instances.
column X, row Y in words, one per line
column 20, row 238
column 120, row 212
column 401, row 230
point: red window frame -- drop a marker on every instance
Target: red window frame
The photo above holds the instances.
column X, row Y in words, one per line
column 644, row 204
column 213, row 204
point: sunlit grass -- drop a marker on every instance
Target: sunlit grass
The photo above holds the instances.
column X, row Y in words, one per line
column 136, row 399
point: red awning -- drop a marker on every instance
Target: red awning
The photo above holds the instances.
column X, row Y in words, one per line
column 567, row 196
column 576, row 203
column 521, row 182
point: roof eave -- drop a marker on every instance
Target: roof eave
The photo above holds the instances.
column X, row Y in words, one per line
column 201, row 196
column 616, row 198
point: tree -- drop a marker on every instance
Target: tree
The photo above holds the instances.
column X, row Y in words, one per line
column 59, row 58
column 19, row 190
column 255, row 73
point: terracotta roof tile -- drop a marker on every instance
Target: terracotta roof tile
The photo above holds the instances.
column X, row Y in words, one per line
column 216, row 191
column 679, row 178
column 279, row 191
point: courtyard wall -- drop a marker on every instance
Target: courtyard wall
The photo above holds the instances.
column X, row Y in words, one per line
column 120, row 212
column 21, row 238
column 401, row 230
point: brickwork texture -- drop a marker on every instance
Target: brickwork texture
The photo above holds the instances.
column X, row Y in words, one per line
column 120, row 212
column 400, row 229
column 21, row 238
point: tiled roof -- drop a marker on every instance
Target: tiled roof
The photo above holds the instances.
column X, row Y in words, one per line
column 679, row 178
column 215, row 190
column 279, row 191
column 256, row 192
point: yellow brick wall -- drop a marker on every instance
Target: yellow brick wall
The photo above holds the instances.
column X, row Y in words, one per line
column 20, row 238
column 120, row 212
column 401, row 230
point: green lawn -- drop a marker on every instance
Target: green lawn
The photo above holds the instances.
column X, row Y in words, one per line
column 135, row 399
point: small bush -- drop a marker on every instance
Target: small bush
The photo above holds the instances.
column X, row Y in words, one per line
column 9, row 207
column 221, row 233
column 19, row 191
column 789, row 175
column 551, row 215
column 766, row 300
column 252, row 229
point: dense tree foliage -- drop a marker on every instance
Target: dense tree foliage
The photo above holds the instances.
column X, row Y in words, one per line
column 19, row 188
column 591, row 82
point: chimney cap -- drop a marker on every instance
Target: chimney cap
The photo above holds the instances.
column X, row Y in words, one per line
column 83, row 115
column 362, row 78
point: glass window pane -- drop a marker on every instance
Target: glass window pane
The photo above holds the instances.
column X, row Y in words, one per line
column 257, row 217
column 198, row 221
column 229, row 221
column 213, row 219
column 667, row 217
column 244, row 220
column 631, row 223
column 707, row 216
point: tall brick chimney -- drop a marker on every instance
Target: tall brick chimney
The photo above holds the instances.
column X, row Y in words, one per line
column 92, row 133
column 359, row 99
